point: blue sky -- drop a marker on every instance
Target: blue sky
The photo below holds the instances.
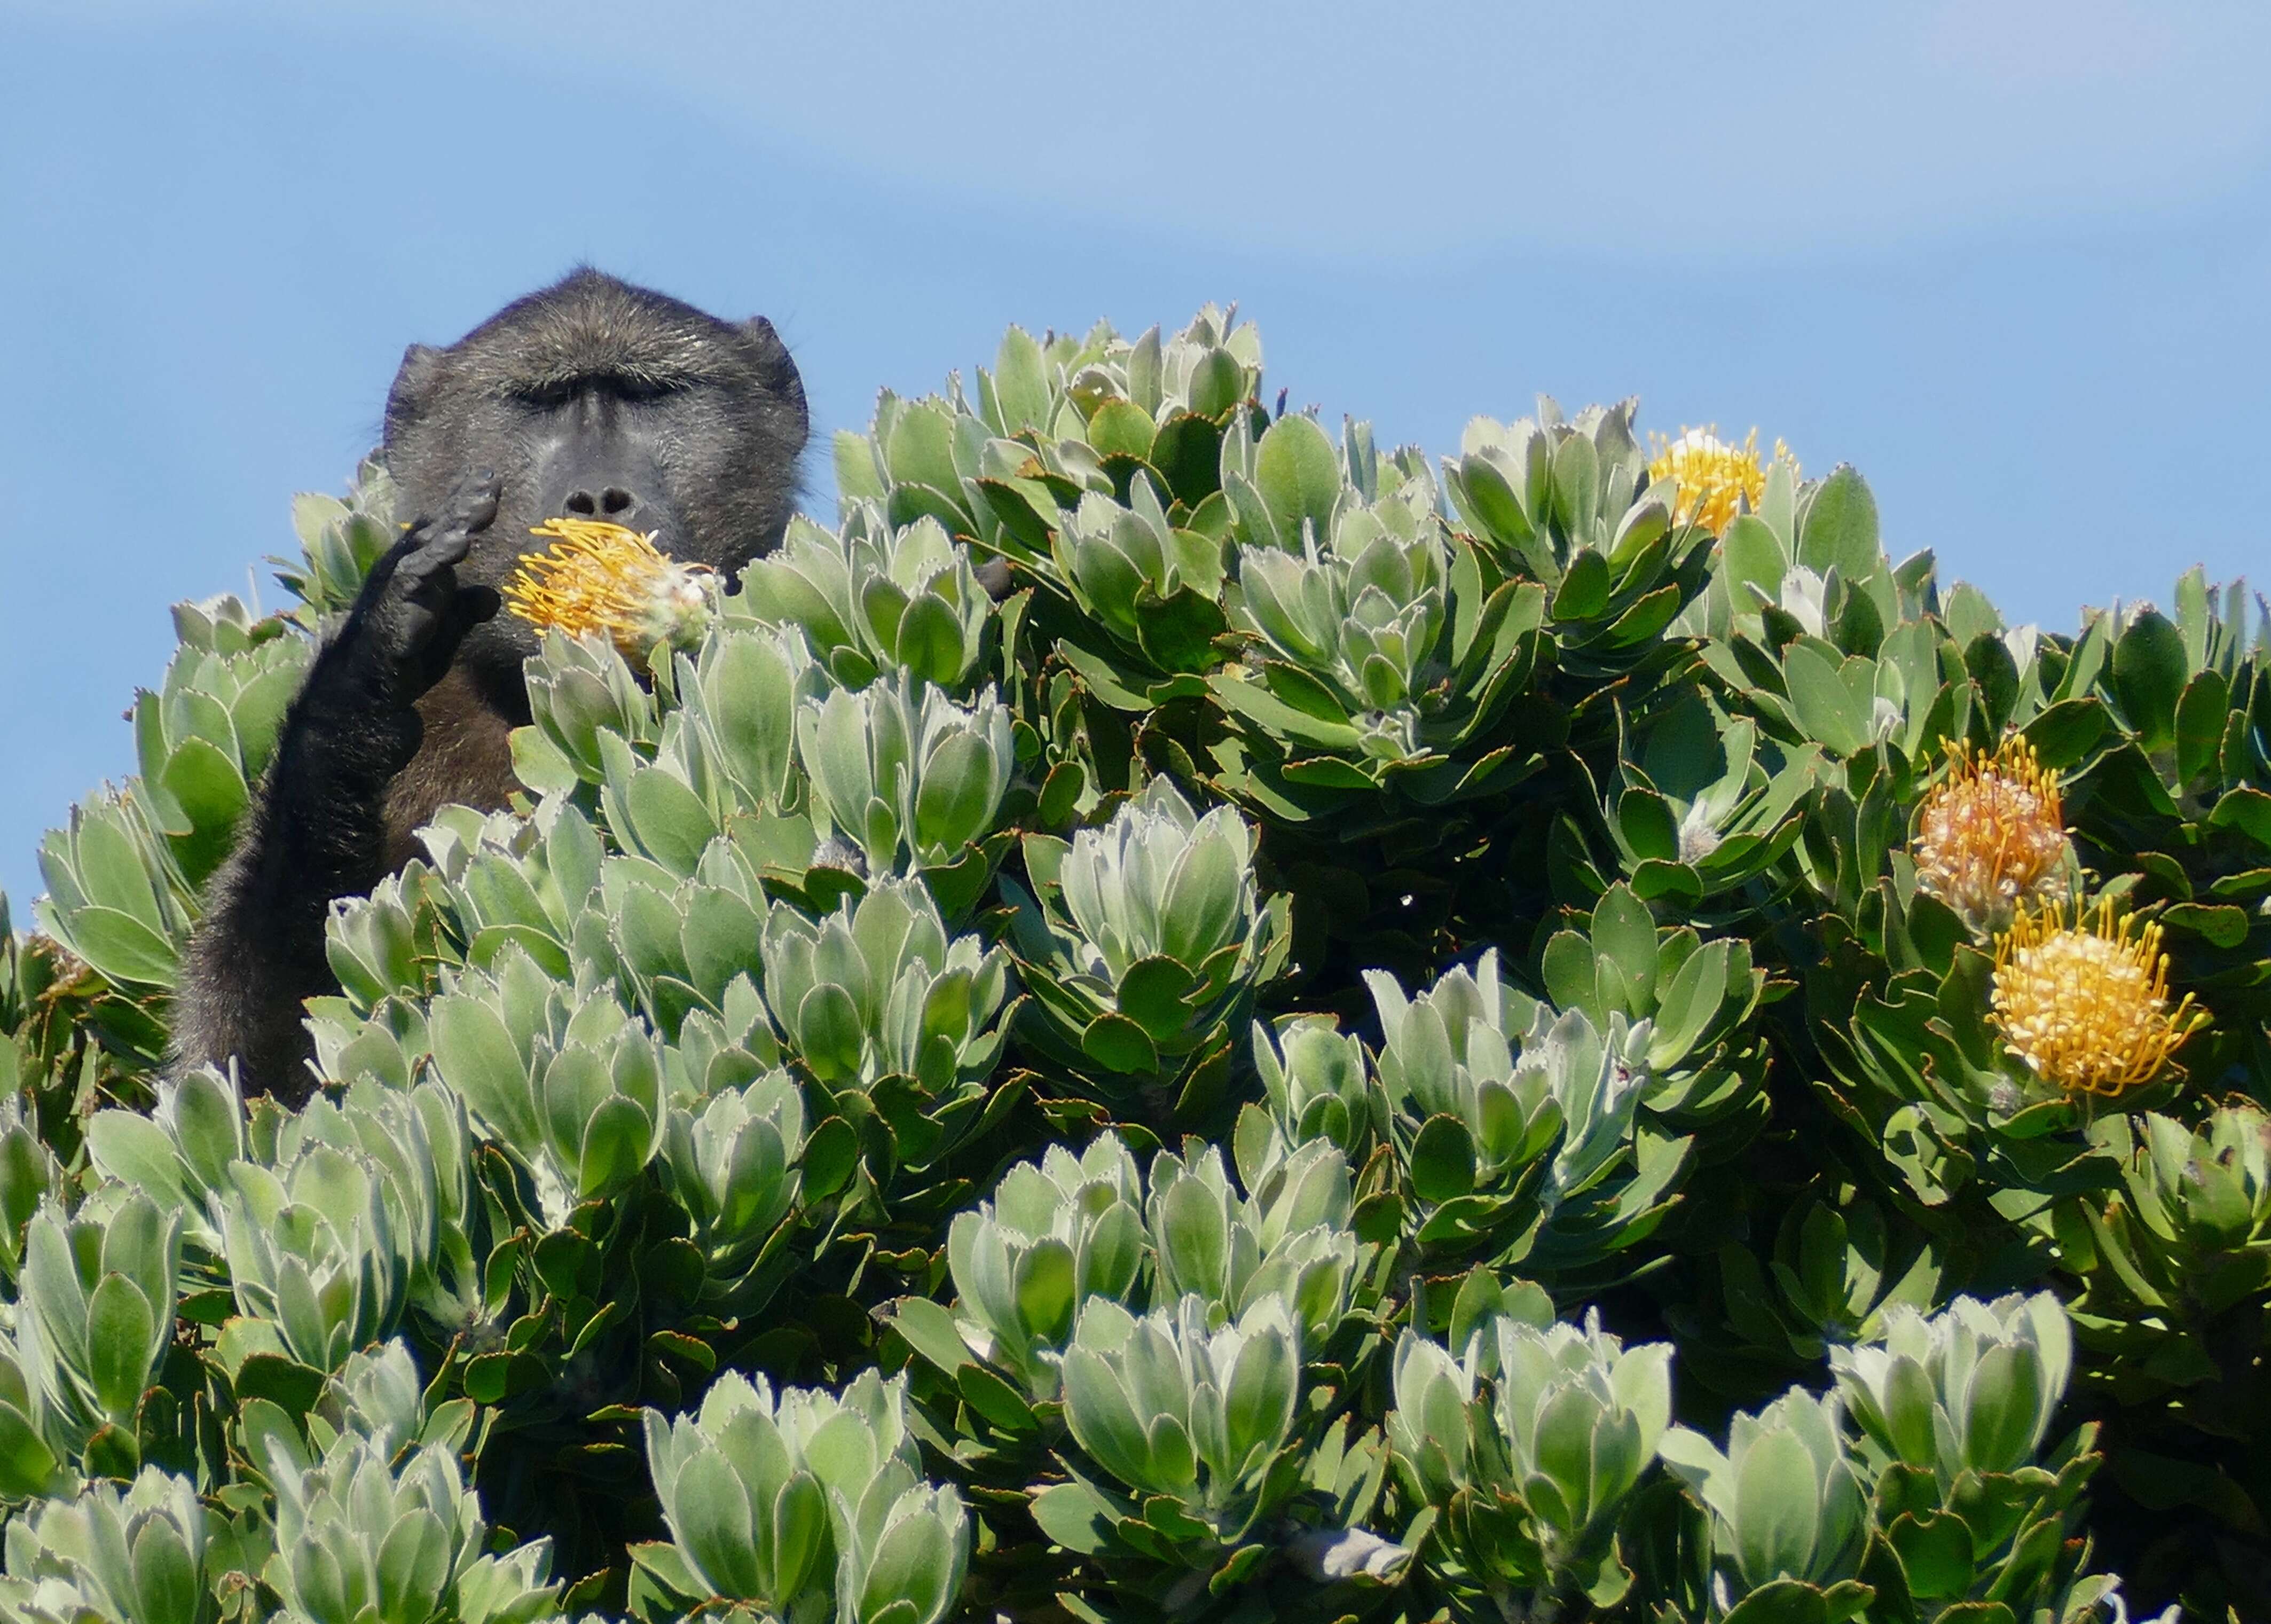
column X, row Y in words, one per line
column 2009, row 256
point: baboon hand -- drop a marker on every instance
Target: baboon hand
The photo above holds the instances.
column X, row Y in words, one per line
column 413, row 614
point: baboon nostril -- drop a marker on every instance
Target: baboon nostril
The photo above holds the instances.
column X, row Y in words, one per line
column 581, row 502
column 615, row 500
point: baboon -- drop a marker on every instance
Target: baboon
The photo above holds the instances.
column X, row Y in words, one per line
column 592, row 398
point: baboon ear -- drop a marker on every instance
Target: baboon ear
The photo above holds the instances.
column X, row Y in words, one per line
column 766, row 351
column 413, row 386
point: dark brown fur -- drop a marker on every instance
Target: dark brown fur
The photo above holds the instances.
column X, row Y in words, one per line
column 465, row 760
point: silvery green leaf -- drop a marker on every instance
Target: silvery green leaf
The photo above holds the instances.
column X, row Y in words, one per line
column 1574, row 1418
column 1972, row 1387
column 97, row 1313
column 757, row 1488
column 1176, row 1402
column 904, row 772
column 131, row 1555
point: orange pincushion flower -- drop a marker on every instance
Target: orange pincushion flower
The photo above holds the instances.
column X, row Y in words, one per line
column 1715, row 478
column 601, row 578
column 2085, row 1006
column 1992, row 837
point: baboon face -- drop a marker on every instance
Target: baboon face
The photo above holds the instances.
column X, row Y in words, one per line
column 597, row 399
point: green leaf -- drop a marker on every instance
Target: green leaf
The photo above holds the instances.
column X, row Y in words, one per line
column 1568, row 969
column 477, row 1058
column 1782, row 1601
column 672, row 825
column 1935, row 1554
column 292, row 1386
column 1044, row 1289
column 123, row 948
column 909, row 1570
column 930, row 641
column 1118, row 1044
column 2245, row 808
column 27, row 1465
column 207, row 787
column 1576, row 482
column 2065, row 733
column 800, row 1530
column 919, row 447
column 1752, row 557
column 1193, row 1236
column 1825, row 707
column 2201, row 717
column 830, row 1037
column 1299, row 477
column 2220, row 925
column 1151, row 993
column 651, row 931
column 111, row 870
column 115, row 1451
column 1584, row 589
column 1187, row 452
column 1102, row 1420
column 413, row 1566
column 1645, row 820
column 130, row 1147
column 1071, row 1515
column 1565, row 1443
column 720, row 939
column 1777, row 1510
column 710, row 1516
column 617, row 1139
column 1264, row 1383
column 1177, row 632
column 832, row 1150
column 257, row 712
column 1442, row 1160
column 540, row 763
column 1840, row 528
column 1487, row 502
column 1121, row 428
column 2148, row 677
column 929, row 1329
column 2001, row 1408
column 955, row 800
column 1217, row 383
column 167, row 1587
column 1689, row 1004
column 1624, row 931
column 752, row 712
column 120, row 1323
column 855, row 466
column 1020, row 382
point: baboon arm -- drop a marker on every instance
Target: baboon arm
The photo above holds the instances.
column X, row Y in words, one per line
column 319, row 829
column 316, row 831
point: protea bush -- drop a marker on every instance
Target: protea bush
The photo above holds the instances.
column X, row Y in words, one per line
column 1543, row 1034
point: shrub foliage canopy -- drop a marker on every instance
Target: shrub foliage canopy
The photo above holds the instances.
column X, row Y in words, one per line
column 1543, row 1033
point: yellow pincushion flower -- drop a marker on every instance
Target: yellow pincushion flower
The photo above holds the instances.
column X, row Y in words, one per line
column 2085, row 1006
column 1992, row 837
column 1715, row 478
column 601, row 578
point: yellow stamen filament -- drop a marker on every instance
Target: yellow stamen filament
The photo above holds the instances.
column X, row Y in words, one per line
column 1993, row 836
column 605, row 578
column 2085, row 1006
column 1716, row 479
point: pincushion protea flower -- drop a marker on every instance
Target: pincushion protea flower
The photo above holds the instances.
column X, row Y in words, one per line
column 601, row 578
column 1992, row 837
column 1715, row 478
column 2085, row 1005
